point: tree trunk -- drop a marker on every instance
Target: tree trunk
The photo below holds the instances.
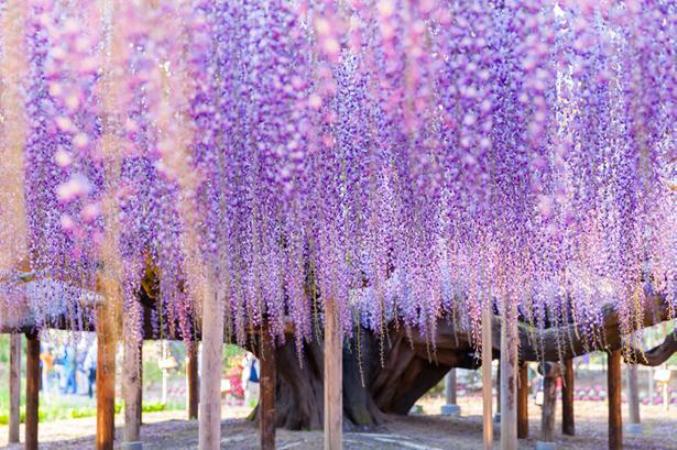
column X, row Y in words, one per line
column 390, row 374
column 393, row 388
column 370, row 388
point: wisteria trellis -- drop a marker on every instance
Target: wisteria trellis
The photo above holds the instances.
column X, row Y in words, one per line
column 401, row 157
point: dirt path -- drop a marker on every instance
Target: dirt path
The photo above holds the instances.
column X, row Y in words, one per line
column 168, row 431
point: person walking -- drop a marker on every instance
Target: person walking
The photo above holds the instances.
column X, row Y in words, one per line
column 71, row 367
column 250, row 379
column 47, row 366
column 90, row 369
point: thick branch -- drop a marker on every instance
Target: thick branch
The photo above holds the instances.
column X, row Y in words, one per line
column 657, row 355
column 565, row 342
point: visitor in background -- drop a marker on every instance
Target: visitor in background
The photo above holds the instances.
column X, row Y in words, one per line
column 60, row 368
column 47, row 364
column 70, row 366
column 90, row 368
column 234, row 390
column 250, row 379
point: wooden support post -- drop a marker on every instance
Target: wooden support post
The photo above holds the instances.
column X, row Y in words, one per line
column 268, row 384
column 487, row 385
column 14, row 387
column 139, row 395
column 508, row 379
column 498, row 392
column 165, row 375
column 523, row 402
column 333, row 378
column 450, row 408
column 634, row 427
column 450, row 387
column 192, row 380
column 568, row 386
column 212, row 368
column 105, row 379
column 550, row 373
column 32, row 390
column 614, row 388
column 131, row 389
column 14, row 68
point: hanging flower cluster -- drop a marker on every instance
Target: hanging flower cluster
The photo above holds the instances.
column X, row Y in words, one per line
column 408, row 160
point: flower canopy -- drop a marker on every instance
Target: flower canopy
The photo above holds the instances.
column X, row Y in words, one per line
column 403, row 158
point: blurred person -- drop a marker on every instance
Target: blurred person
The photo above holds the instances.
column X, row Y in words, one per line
column 90, row 368
column 47, row 360
column 70, row 367
column 60, row 368
column 250, row 379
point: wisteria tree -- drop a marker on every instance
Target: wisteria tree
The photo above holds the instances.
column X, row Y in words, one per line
column 415, row 163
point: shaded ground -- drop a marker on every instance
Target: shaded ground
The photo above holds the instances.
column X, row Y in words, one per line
column 168, row 430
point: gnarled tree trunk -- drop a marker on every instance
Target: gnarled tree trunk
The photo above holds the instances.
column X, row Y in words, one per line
column 387, row 375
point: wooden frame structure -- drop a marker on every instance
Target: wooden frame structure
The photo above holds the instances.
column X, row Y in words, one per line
column 333, row 383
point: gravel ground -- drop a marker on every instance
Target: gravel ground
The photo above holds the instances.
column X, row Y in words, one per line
column 168, row 430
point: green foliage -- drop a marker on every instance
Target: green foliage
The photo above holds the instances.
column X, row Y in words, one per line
column 154, row 407
column 4, row 349
column 78, row 413
column 151, row 372
column 42, row 416
column 59, row 411
column 232, row 354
